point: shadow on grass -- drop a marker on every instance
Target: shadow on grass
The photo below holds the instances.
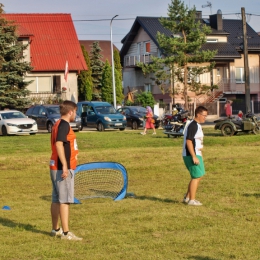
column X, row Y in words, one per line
column 257, row 195
column 202, row 258
column 213, row 134
column 20, row 226
column 155, row 199
column 46, row 197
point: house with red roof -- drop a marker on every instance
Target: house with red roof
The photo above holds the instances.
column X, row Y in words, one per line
column 53, row 48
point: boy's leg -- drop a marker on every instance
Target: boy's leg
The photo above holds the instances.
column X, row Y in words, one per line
column 55, row 215
column 192, row 189
column 64, row 216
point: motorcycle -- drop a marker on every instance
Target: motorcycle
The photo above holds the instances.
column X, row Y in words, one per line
column 174, row 117
column 174, row 122
column 177, row 128
column 231, row 126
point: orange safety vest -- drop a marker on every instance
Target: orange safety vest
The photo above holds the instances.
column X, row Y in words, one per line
column 71, row 138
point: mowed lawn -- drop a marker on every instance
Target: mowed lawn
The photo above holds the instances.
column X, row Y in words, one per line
column 153, row 225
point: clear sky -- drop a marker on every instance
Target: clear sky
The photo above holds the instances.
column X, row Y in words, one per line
column 127, row 10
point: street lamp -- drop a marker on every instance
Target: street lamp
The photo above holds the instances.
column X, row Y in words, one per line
column 112, row 57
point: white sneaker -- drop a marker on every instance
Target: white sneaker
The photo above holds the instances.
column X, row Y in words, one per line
column 154, row 133
column 185, row 199
column 55, row 233
column 143, row 133
column 194, row 203
column 71, row 236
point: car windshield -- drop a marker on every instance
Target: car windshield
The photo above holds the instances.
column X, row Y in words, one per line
column 53, row 110
column 13, row 115
column 139, row 110
column 105, row 110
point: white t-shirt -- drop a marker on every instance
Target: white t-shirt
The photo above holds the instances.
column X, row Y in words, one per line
column 195, row 134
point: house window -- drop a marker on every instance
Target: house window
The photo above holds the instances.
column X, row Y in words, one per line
column 139, row 51
column 212, row 40
column 148, row 88
column 147, row 47
column 39, row 84
column 240, row 75
column 56, row 84
column 218, row 72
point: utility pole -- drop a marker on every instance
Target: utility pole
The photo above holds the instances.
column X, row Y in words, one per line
column 246, row 66
column 112, row 60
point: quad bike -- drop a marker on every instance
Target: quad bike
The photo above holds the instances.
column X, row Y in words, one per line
column 231, row 126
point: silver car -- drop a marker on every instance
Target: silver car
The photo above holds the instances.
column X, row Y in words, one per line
column 13, row 122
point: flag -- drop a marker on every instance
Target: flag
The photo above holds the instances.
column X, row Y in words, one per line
column 66, row 71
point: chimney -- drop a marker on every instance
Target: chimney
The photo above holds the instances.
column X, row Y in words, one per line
column 216, row 21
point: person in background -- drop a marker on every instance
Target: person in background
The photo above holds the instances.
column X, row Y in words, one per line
column 63, row 162
column 149, row 123
column 192, row 154
column 228, row 108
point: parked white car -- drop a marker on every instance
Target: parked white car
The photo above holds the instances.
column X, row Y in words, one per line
column 13, row 122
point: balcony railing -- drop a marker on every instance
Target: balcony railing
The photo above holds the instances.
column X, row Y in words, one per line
column 46, row 97
column 232, row 86
column 132, row 60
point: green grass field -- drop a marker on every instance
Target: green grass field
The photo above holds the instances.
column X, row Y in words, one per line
column 153, row 225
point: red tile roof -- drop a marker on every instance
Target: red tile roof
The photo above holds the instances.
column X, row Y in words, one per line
column 104, row 45
column 53, row 40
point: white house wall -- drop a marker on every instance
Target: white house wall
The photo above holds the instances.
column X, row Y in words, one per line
column 43, row 82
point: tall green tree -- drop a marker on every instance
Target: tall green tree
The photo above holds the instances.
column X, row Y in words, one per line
column 117, row 63
column 145, row 99
column 118, row 77
column 13, row 91
column 181, row 53
column 85, row 84
column 106, row 83
column 97, row 69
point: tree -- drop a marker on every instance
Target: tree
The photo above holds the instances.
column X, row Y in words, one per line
column 119, row 87
column 118, row 78
column 106, row 83
column 117, row 63
column 85, row 84
column 13, row 91
column 182, row 53
column 97, row 69
column 145, row 99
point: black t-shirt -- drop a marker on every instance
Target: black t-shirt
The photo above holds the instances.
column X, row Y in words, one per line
column 63, row 131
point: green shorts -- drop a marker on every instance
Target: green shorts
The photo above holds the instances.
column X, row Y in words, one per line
column 196, row 170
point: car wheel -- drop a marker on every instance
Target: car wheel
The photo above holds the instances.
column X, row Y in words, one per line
column 4, row 131
column 49, row 127
column 121, row 129
column 100, row 127
column 32, row 133
column 134, row 125
column 227, row 130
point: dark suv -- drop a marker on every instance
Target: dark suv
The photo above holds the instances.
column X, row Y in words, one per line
column 46, row 116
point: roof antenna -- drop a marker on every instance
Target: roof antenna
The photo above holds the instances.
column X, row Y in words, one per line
column 208, row 5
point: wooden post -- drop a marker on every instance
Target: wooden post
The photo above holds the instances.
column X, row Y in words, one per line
column 246, row 66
